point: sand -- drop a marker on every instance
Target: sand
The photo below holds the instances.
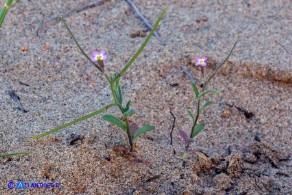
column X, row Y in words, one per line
column 246, row 146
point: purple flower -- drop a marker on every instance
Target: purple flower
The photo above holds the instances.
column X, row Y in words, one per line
column 98, row 55
column 201, row 61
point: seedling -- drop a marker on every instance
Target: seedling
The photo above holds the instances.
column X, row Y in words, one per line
column 199, row 95
column 98, row 58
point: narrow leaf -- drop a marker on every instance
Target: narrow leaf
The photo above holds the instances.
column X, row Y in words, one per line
column 120, row 94
column 184, row 137
column 197, row 129
column 191, row 115
column 80, row 48
column 221, row 64
column 133, row 128
column 128, row 65
column 208, row 103
column 114, row 120
column 196, row 91
column 127, row 106
column 4, row 11
column 130, row 112
column 143, row 130
column 214, row 91
column 74, row 122
column 14, row 154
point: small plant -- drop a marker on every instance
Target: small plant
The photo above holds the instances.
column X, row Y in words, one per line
column 5, row 8
column 199, row 95
column 98, row 60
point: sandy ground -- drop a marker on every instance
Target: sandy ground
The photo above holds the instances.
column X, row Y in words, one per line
column 235, row 154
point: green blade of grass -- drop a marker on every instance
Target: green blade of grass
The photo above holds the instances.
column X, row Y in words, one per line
column 142, row 46
column 142, row 130
column 14, row 154
column 74, row 122
column 4, row 11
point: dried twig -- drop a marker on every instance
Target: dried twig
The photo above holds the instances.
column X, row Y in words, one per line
column 188, row 74
column 246, row 113
column 16, row 99
column 172, row 128
column 148, row 25
column 45, row 25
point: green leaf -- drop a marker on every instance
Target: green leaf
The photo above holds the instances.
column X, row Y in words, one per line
column 127, row 106
column 197, row 129
column 196, row 90
column 74, row 122
column 119, row 95
column 114, row 120
column 14, row 154
column 142, row 130
column 128, row 65
column 130, row 112
column 191, row 115
column 114, row 79
column 214, row 91
column 208, row 103
column 3, row 13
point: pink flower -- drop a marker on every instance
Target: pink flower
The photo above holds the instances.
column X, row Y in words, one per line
column 98, row 55
column 201, row 61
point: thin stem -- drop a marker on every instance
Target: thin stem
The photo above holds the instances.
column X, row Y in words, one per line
column 125, row 116
column 172, row 128
column 196, row 120
column 115, row 97
column 129, row 133
column 82, row 51
column 220, row 65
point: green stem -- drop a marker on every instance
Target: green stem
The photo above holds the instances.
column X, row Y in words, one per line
column 129, row 133
column 125, row 116
column 197, row 116
column 221, row 64
column 195, row 121
column 82, row 51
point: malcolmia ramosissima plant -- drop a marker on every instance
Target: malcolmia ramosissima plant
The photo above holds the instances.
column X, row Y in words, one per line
column 199, row 96
column 98, row 58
